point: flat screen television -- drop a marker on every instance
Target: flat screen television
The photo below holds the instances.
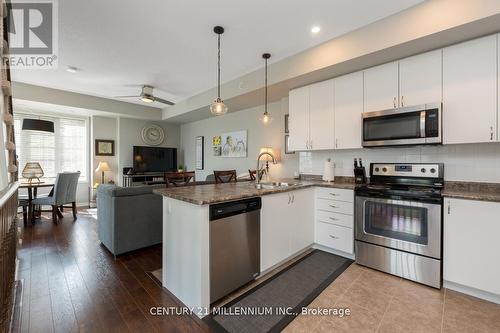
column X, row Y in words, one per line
column 154, row 159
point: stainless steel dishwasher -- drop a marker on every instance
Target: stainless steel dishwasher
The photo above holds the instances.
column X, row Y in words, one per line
column 234, row 245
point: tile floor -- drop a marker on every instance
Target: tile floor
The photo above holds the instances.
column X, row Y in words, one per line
column 384, row 303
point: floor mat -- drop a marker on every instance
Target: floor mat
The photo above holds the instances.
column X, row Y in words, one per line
column 277, row 301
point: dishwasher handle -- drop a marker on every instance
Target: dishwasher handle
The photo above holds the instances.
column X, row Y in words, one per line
column 227, row 209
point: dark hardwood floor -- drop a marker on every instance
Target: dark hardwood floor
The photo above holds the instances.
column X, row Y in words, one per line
column 71, row 283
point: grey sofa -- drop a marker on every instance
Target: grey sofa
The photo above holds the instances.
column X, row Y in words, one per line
column 129, row 218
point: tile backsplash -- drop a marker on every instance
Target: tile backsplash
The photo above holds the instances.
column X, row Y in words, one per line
column 468, row 162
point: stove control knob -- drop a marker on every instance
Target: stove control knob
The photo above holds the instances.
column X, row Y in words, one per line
column 423, row 170
column 377, row 169
column 433, row 170
column 384, row 169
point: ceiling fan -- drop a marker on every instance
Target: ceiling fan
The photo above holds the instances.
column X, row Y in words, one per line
column 147, row 96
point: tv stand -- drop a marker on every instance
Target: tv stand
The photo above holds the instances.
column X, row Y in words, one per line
column 146, row 178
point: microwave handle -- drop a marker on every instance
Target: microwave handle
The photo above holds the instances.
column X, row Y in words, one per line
column 422, row 124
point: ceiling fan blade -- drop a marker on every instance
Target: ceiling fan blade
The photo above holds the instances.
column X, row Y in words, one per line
column 127, row 96
column 164, row 101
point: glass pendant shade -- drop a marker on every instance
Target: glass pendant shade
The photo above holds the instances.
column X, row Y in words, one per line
column 266, row 118
column 32, row 170
column 218, row 107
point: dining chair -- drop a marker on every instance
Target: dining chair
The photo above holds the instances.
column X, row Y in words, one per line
column 253, row 173
column 64, row 193
column 225, row 176
column 178, row 179
column 24, row 203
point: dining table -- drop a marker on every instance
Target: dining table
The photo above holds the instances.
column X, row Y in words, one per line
column 32, row 188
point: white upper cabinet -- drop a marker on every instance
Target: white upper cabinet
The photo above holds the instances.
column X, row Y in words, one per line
column 381, row 87
column 420, row 79
column 348, row 110
column 498, row 86
column 298, row 119
column 470, row 91
column 321, row 115
column 311, row 117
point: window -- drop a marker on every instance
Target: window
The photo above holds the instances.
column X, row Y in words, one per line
column 63, row 150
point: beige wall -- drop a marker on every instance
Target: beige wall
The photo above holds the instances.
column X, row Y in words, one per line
column 129, row 135
column 258, row 136
column 126, row 132
column 104, row 128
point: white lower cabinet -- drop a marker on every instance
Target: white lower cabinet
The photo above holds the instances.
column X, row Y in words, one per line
column 335, row 236
column 334, row 219
column 287, row 225
column 471, row 251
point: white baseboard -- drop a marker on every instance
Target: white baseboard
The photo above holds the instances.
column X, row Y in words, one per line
column 472, row 291
column 333, row 251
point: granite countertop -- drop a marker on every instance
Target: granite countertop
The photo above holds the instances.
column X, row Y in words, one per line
column 472, row 191
column 216, row 193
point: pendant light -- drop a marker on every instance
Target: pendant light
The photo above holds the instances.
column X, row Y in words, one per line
column 38, row 125
column 218, row 107
column 266, row 117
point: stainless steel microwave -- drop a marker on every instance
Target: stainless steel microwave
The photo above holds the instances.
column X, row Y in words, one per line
column 413, row 125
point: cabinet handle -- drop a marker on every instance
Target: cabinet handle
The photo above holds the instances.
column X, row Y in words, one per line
column 336, row 143
column 449, row 208
column 394, row 102
column 333, row 194
column 293, row 198
column 333, row 218
column 311, row 144
column 402, row 101
column 333, row 206
column 491, row 133
column 289, row 198
column 334, row 237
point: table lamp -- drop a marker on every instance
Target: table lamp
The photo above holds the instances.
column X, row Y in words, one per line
column 102, row 167
column 32, row 170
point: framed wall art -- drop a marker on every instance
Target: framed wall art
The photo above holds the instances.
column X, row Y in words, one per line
column 104, row 147
column 199, row 152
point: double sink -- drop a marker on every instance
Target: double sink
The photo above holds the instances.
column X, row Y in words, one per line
column 272, row 185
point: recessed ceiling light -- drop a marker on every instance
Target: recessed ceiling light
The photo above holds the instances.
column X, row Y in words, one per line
column 72, row 69
column 315, row 29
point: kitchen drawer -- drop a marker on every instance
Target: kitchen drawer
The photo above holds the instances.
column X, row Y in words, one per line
column 343, row 220
column 335, row 194
column 335, row 237
column 335, row 206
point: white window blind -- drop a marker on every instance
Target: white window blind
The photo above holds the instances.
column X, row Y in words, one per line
column 65, row 150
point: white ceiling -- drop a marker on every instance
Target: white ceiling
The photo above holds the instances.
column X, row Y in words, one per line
column 121, row 44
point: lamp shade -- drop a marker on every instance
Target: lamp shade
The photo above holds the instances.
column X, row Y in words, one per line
column 38, row 125
column 271, row 151
column 32, row 170
column 103, row 166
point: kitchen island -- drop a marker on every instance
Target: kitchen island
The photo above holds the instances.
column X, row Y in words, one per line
column 186, row 235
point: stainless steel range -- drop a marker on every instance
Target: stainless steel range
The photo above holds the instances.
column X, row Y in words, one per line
column 399, row 221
